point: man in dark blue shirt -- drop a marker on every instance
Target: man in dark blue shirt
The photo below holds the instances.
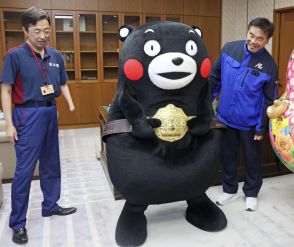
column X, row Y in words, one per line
column 33, row 75
column 245, row 74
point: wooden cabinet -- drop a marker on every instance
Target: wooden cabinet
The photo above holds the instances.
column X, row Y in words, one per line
column 13, row 3
column 102, row 121
column 110, row 22
column 107, row 92
column 64, row 4
column 172, row 7
column 65, row 117
column 45, row 4
column 133, row 19
column 87, row 5
column 202, row 7
column 85, row 32
column 64, row 40
column 88, row 47
column 131, row 6
column 110, row 5
column 12, row 33
column 120, row 5
column 86, row 97
column 152, row 6
column 110, row 45
column 147, row 18
column 175, row 18
column 76, row 37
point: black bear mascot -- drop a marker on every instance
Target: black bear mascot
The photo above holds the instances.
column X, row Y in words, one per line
column 160, row 144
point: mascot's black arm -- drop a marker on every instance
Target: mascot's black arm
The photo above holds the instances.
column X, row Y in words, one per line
column 133, row 111
column 201, row 124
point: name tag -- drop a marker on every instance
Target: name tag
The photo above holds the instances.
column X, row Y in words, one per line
column 48, row 89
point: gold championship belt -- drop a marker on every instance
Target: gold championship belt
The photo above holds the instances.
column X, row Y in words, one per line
column 173, row 123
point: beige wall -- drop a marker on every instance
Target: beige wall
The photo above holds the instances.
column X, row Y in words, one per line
column 237, row 13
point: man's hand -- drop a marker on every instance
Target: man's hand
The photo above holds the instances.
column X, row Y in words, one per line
column 71, row 107
column 11, row 133
column 258, row 138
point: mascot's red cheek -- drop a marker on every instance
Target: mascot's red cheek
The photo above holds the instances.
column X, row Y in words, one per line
column 205, row 68
column 133, row 69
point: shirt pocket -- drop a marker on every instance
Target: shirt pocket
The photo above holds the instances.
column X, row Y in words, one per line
column 230, row 69
column 254, row 82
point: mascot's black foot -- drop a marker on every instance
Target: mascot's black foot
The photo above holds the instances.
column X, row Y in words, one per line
column 131, row 228
column 205, row 215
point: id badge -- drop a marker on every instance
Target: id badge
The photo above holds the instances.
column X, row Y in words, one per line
column 47, row 89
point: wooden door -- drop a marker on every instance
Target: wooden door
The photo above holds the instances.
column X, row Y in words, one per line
column 284, row 45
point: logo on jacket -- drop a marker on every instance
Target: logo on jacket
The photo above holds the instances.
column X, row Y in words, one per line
column 259, row 66
column 54, row 65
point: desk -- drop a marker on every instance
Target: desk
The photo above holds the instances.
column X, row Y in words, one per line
column 271, row 166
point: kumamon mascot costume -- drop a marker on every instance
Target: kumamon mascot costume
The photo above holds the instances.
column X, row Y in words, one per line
column 160, row 144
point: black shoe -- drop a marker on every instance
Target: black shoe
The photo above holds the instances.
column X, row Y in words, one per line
column 60, row 211
column 20, row 236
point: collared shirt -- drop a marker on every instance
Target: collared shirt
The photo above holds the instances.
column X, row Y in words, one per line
column 22, row 71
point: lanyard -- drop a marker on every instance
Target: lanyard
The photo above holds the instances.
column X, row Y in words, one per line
column 43, row 72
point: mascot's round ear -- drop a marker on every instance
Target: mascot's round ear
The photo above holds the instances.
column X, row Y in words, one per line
column 197, row 30
column 124, row 31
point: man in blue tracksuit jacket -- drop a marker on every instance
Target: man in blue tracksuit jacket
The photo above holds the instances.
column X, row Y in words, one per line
column 244, row 76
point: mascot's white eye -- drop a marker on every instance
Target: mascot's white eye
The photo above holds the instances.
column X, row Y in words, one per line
column 191, row 48
column 152, row 48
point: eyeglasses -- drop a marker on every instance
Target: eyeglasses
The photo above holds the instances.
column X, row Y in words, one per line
column 38, row 32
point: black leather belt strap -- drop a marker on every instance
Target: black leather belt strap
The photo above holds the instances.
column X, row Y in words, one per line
column 46, row 103
column 116, row 126
column 123, row 125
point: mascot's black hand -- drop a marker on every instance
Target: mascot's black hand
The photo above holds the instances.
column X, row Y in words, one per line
column 198, row 127
column 192, row 123
column 154, row 122
column 143, row 129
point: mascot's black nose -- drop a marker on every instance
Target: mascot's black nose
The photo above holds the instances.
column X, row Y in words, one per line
column 177, row 61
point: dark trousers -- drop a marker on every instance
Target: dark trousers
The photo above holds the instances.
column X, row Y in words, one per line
column 230, row 146
column 37, row 140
